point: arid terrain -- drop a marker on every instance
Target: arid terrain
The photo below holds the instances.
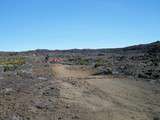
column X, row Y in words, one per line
column 104, row 84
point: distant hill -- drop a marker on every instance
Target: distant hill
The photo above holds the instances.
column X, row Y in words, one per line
column 141, row 61
column 142, row 48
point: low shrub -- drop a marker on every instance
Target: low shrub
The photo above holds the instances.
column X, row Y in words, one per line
column 9, row 68
column 10, row 64
column 82, row 61
column 13, row 61
column 100, row 62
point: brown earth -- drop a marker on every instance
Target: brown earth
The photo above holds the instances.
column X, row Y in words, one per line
column 103, row 84
column 74, row 92
column 90, row 97
column 67, row 71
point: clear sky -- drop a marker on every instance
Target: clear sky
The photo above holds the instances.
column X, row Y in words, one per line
column 65, row 24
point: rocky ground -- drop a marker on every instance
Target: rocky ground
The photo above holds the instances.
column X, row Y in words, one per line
column 120, row 84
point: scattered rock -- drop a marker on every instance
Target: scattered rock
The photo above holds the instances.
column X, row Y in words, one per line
column 75, row 117
column 40, row 104
column 156, row 118
column 16, row 117
column 51, row 92
column 59, row 118
column 103, row 71
column 67, row 106
column 42, row 78
column 7, row 91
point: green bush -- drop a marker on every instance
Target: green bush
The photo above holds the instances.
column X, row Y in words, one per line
column 83, row 61
column 13, row 61
column 10, row 64
column 100, row 62
column 9, row 68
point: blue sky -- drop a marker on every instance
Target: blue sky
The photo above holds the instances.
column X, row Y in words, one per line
column 66, row 24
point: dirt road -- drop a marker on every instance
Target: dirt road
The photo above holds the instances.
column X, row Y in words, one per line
column 87, row 97
column 69, row 92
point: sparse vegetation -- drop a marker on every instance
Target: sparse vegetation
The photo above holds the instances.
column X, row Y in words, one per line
column 100, row 62
column 11, row 64
column 156, row 118
column 13, row 61
column 82, row 61
column 86, row 79
column 9, row 67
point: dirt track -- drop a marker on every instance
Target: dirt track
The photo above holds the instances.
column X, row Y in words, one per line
column 68, row 92
column 87, row 97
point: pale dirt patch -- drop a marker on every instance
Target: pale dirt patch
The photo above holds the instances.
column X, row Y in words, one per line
column 105, row 97
column 67, row 71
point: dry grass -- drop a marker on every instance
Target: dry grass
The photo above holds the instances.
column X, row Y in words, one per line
column 13, row 61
